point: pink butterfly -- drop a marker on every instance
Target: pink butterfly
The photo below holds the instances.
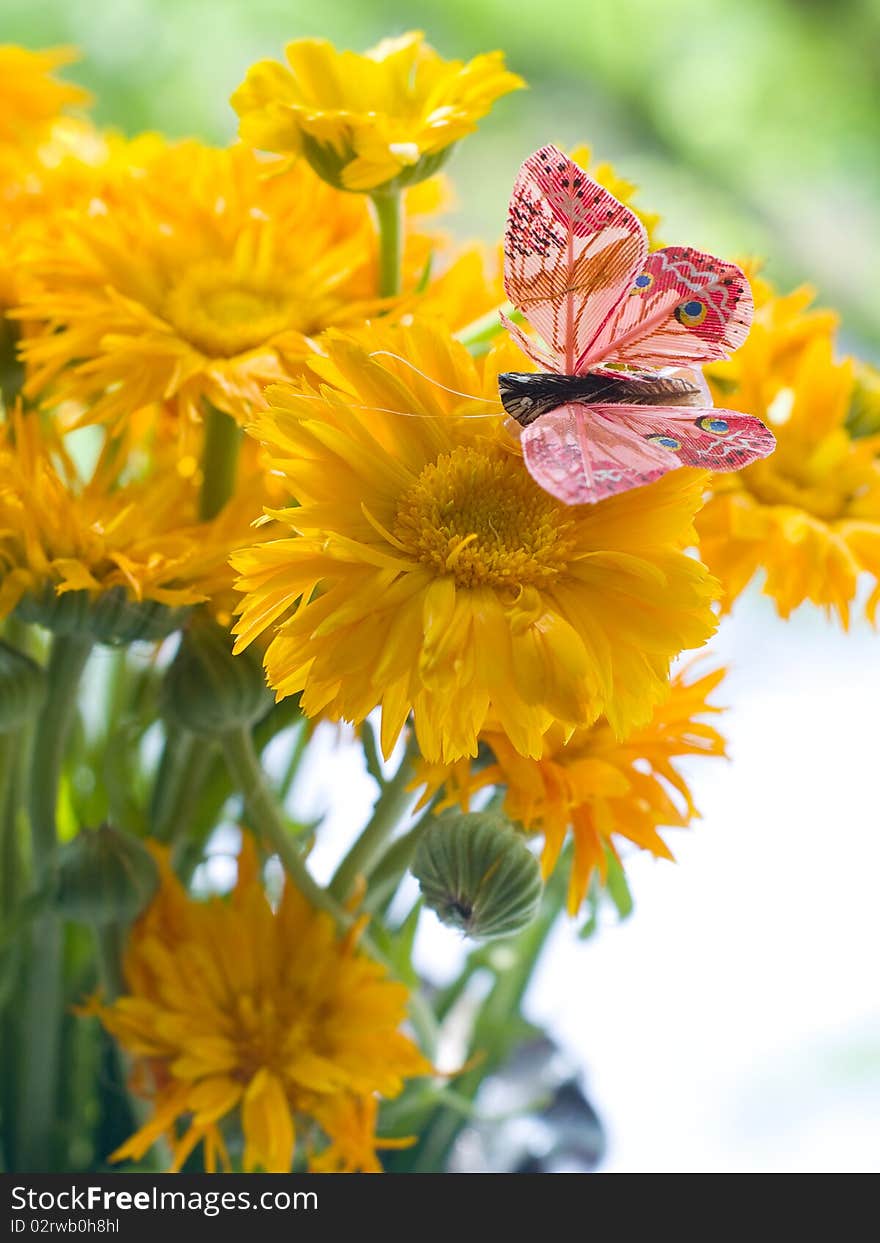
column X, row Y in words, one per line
column 594, row 421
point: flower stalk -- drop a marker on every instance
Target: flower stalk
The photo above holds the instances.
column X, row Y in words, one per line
column 388, row 207
column 392, row 803
column 43, row 999
column 266, row 819
column 219, row 462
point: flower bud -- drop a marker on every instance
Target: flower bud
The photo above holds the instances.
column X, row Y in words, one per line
column 109, row 617
column 209, row 691
column 104, row 876
column 22, row 687
column 477, row 874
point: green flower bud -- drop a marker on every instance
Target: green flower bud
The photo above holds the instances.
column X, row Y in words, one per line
column 209, row 691
column 22, row 687
column 477, row 873
column 109, row 617
column 104, row 876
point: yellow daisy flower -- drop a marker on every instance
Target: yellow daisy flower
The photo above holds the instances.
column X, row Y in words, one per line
column 202, row 280
column 376, row 121
column 237, row 1010
column 468, row 287
column 595, row 786
column 198, row 277
column 108, row 545
column 425, row 570
column 808, row 516
column 30, row 96
column 72, row 165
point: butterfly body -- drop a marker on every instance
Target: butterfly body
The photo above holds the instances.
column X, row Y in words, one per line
column 609, row 408
column 526, row 395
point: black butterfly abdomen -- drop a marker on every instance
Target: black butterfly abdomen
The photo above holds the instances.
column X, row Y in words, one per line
column 527, row 395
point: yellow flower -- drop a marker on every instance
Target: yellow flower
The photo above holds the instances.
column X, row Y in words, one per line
column 425, row 571
column 234, row 1009
column 595, row 786
column 469, row 287
column 126, row 530
column 72, row 165
column 193, row 276
column 809, row 516
column 784, row 325
column 30, row 97
column 374, row 121
column 201, row 280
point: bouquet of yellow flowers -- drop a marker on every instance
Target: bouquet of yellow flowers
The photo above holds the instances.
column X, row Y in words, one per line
column 256, row 477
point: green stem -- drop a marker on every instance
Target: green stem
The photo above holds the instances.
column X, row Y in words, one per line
column 369, row 846
column 265, row 819
column 496, row 1030
column 479, row 335
column 109, row 941
column 294, row 762
column 388, row 211
column 9, row 861
column 66, row 663
column 44, row 994
column 180, row 779
column 388, row 873
column 219, row 462
column 11, row 369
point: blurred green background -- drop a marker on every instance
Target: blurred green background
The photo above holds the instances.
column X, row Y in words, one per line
column 752, row 126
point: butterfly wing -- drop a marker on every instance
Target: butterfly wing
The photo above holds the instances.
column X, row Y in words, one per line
column 583, row 454
column 684, row 307
column 580, row 455
column 571, row 253
column 710, row 438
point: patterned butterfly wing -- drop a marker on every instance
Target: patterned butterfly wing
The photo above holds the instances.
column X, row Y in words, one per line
column 714, row 439
column 583, row 454
column 571, row 253
column 580, row 455
column 684, row 307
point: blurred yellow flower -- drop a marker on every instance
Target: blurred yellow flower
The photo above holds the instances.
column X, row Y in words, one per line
column 425, row 571
column 380, row 120
column 30, row 96
column 202, row 280
column 594, row 786
column 191, row 274
column 808, row 516
column 71, row 165
column 234, row 1009
column 128, row 526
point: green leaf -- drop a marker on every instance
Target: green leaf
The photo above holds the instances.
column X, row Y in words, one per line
column 618, row 889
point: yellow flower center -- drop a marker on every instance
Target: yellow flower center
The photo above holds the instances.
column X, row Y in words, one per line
column 223, row 312
column 480, row 517
column 269, row 1034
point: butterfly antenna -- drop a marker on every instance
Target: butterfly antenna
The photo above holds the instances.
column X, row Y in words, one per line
column 404, row 414
column 454, row 391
